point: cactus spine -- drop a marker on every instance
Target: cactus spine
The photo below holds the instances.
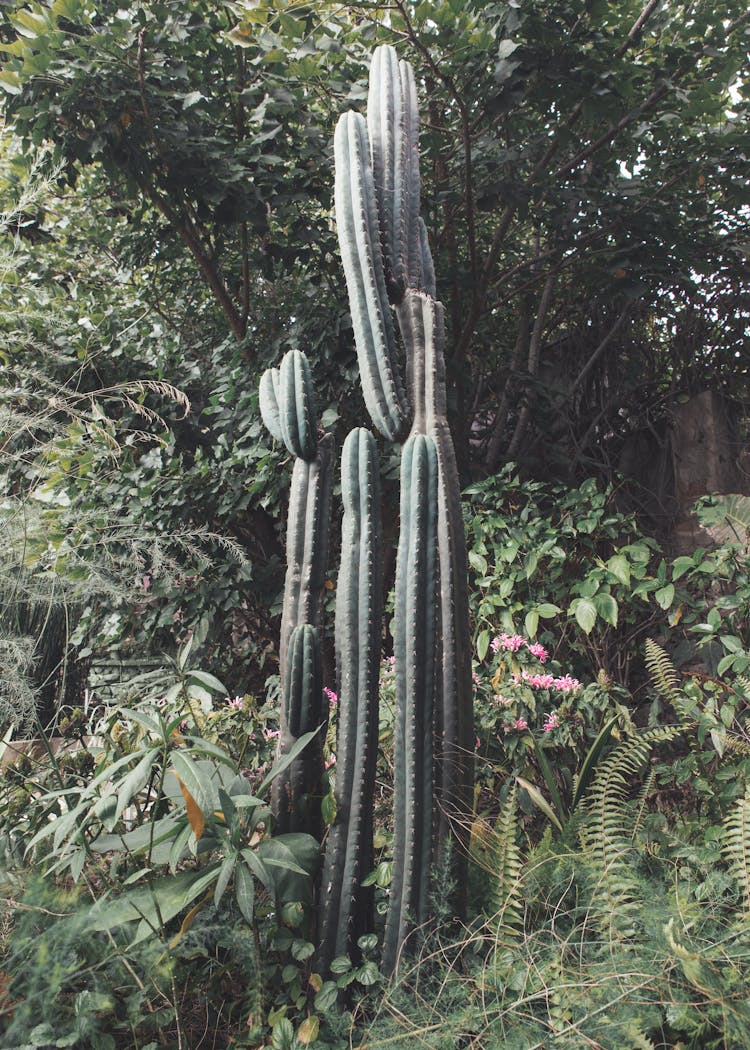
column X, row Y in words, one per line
column 288, row 410
column 346, row 906
column 434, row 732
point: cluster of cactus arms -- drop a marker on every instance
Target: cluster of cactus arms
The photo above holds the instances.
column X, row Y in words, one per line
column 288, row 409
column 388, row 269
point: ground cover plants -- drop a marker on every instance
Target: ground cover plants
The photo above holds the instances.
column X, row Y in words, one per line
column 494, row 790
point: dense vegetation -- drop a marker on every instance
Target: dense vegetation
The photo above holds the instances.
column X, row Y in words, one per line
column 165, row 236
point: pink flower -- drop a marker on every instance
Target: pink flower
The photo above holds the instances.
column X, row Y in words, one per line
column 567, row 684
column 538, row 651
column 536, row 681
column 511, row 642
column 475, row 678
column 332, row 697
column 521, row 723
column 551, row 722
column 503, row 701
column 234, row 705
column 478, row 743
column 330, row 762
column 270, row 734
column 146, row 582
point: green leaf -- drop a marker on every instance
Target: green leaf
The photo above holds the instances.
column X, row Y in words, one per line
column 531, row 622
column 284, row 761
column 680, row 566
column 136, row 779
column 194, row 779
column 584, row 611
column 547, row 610
column 327, row 997
column 483, row 644
column 302, row 950
column 244, row 891
column 591, row 760
column 368, row 974
column 225, row 874
column 665, row 596
column 540, row 801
column 606, row 606
column 478, row 562
column 208, row 680
column 162, row 900
column 619, row 566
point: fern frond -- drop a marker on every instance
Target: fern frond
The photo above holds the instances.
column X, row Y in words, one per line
column 662, row 672
column 507, row 872
column 648, row 785
column 608, row 832
column 736, row 847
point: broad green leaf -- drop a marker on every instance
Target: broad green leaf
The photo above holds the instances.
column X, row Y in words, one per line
column 584, row 611
column 590, row 762
column 606, row 606
column 531, row 623
column 193, row 779
column 619, row 566
column 284, row 761
column 208, row 680
column 164, row 898
column 665, row 596
column 483, row 644
column 136, row 779
column 244, row 891
column 540, row 801
column 225, row 874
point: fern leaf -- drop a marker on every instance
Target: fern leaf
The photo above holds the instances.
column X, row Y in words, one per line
column 507, row 872
column 736, row 847
column 662, row 672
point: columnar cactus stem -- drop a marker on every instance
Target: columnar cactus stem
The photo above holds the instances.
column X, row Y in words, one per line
column 431, row 641
column 297, row 791
column 416, row 649
column 359, row 239
column 288, row 410
column 346, row 906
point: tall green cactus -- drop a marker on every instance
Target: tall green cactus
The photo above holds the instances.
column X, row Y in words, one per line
column 387, row 263
column 378, row 190
column 288, row 410
column 345, row 905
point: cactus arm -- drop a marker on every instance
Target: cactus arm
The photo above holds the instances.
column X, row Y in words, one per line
column 306, row 544
column 428, row 268
column 269, row 403
column 345, row 904
column 424, row 320
column 416, row 647
column 384, row 111
column 356, row 220
column 411, row 246
column 294, row 791
column 297, row 405
column 287, row 404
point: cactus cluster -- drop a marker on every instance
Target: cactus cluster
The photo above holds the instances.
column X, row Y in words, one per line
column 389, row 271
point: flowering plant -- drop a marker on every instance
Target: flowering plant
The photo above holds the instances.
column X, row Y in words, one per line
column 521, row 694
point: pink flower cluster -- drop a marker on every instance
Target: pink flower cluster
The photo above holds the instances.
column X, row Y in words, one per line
column 565, row 684
column 235, row 704
column 332, row 697
column 551, row 721
column 520, row 723
column 270, row 734
column 513, row 642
